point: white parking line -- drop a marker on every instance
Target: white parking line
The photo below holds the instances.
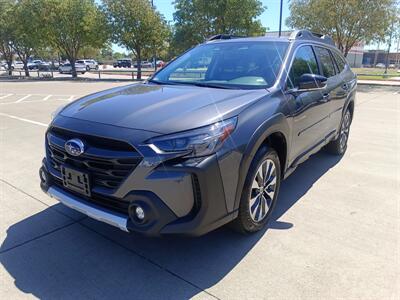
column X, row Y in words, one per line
column 23, row 98
column 46, row 98
column 42, row 98
column 23, row 119
column 5, row 96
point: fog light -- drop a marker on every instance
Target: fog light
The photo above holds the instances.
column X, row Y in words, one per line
column 43, row 176
column 139, row 213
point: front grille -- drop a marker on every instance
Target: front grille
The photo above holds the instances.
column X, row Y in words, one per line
column 108, row 162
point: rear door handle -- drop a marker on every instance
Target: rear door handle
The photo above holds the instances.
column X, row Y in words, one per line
column 325, row 97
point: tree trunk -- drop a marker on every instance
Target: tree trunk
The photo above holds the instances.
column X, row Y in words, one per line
column 9, row 65
column 25, row 61
column 72, row 62
column 139, row 66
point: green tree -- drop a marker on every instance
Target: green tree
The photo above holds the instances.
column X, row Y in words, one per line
column 73, row 25
column 347, row 21
column 137, row 26
column 6, row 32
column 196, row 20
column 27, row 33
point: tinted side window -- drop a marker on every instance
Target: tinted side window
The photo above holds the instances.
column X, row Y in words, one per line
column 325, row 59
column 339, row 61
column 303, row 62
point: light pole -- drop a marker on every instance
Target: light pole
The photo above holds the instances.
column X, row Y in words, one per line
column 280, row 19
column 154, row 55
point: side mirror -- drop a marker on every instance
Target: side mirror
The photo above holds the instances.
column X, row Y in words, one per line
column 312, row 82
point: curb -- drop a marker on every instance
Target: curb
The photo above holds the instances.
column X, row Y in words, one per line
column 374, row 83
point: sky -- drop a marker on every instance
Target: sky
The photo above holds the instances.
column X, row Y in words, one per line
column 269, row 19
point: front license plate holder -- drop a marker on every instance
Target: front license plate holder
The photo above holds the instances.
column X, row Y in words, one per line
column 76, row 181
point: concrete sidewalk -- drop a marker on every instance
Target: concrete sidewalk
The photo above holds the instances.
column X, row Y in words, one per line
column 380, row 82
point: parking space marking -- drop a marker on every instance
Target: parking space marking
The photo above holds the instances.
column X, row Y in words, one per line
column 23, row 98
column 5, row 96
column 35, row 98
column 23, row 119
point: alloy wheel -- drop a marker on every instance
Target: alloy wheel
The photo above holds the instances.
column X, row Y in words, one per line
column 262, row 190
column 344, row 130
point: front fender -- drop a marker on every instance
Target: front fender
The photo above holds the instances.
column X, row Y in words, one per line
column 275, row 124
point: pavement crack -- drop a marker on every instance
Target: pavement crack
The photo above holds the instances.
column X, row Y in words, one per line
column 38, row 200
column 37, row 237
column 150, row 261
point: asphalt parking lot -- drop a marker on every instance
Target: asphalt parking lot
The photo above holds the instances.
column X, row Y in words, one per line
column 335, row 234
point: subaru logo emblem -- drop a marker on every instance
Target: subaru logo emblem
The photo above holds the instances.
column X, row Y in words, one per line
column 74, row 147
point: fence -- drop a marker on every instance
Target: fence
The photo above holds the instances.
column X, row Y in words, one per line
column 93, row 74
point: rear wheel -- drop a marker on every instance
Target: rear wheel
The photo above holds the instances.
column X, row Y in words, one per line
column 339, row 145
column 260, row 191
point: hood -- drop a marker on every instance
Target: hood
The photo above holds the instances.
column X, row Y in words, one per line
column 161, row 108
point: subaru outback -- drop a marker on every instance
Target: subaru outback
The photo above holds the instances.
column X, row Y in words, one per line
column 206, row 140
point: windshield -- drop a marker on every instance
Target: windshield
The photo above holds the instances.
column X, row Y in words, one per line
column 231, row 65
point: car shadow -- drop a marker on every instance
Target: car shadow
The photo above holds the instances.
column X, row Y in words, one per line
column 92, row 259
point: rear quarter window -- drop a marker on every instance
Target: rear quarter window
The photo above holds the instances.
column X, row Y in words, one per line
column 325, row 59
column 340, row 62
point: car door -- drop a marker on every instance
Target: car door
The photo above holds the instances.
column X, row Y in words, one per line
column 309, row 108
column 345, row 82
column 335, row 88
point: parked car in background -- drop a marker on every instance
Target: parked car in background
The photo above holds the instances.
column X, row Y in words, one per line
column 380, row 66
column 18, row 64
column 66, row 68
column 144, row 64
column 34, row 64
column 90, row 64
column 123, row 63
column 392, row 66
column 4, row 65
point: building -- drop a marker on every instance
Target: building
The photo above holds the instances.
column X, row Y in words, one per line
column 374, row 57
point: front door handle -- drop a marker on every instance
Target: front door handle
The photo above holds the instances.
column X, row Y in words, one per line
column 325, row 98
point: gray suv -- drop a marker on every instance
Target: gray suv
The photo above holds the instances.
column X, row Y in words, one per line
column 207, row 140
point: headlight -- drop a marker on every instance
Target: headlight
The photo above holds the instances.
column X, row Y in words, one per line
column 198, row 142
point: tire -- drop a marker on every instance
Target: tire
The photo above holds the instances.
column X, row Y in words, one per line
column 252, row 217
column 87, row 68
column 83, row 72
column 339, row 145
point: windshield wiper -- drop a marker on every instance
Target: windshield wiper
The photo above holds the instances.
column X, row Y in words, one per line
column 195, row 83
column 162, row 82
column 212, row 85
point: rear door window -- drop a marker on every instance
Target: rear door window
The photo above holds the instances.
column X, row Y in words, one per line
column 325, row 59
column 304, row 62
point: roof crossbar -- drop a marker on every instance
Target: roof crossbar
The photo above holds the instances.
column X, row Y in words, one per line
column 223, row 37
column 308, row 35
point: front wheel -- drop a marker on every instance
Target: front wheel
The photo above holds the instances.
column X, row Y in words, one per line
column 339, row 145
column 260, row 191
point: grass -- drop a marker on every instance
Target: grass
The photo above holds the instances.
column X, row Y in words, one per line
column 375, row 73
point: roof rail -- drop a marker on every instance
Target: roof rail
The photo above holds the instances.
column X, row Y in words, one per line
column 223, row 37
column 308, row 35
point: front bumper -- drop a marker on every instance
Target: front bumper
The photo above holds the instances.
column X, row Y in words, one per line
column 208, row 209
